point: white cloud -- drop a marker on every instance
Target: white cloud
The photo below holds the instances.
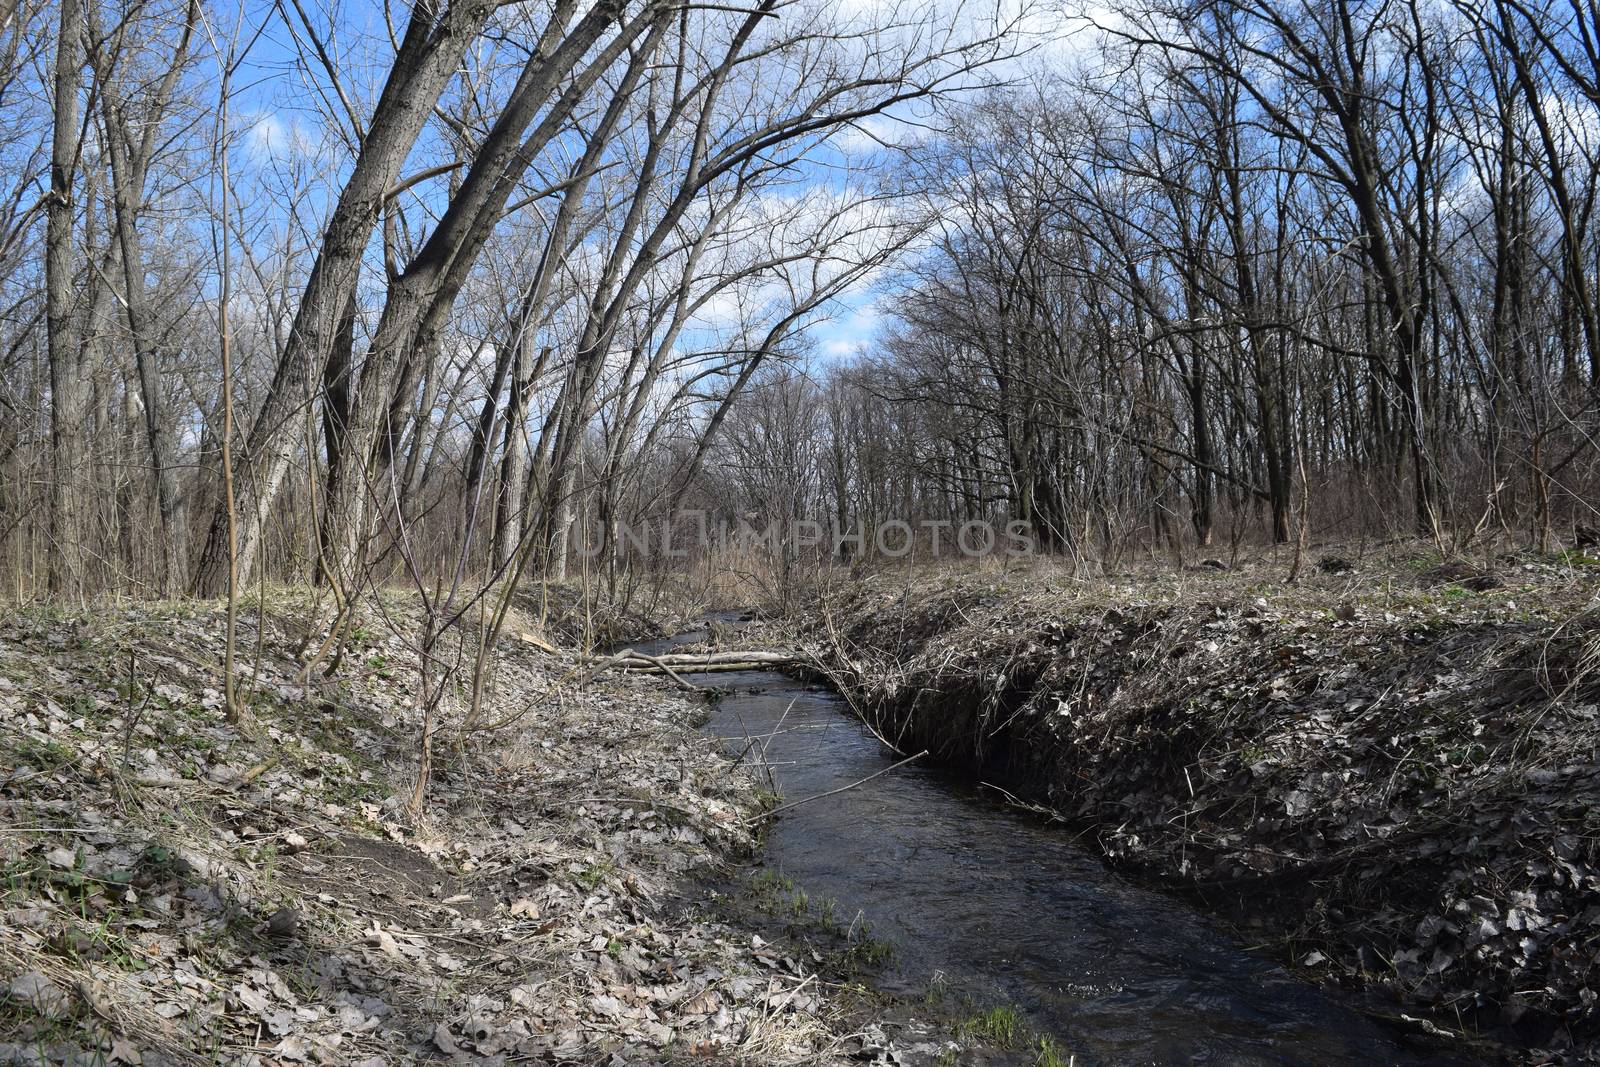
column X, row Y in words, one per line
column 270, row 136
column 868, row 135
column 840, row 347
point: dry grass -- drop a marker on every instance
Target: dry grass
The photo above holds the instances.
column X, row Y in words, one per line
column 153, row 855
column 1393, row 764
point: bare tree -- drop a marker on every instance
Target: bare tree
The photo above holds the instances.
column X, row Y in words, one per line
column 69, row 385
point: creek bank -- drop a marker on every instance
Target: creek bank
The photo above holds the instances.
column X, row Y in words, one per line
column 802, row 930
column 1396, row 778
column 180, row 889
column 1004, row 928
column 933, row 1027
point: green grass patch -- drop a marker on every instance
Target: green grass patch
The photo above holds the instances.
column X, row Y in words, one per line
column 1000, row 1026
column 42, row 756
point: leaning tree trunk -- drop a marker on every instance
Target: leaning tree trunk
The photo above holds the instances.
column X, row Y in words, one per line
column 428, row 58
column 420, row 299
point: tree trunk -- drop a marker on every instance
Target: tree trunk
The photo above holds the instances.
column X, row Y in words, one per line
column 69, row 383
column 419, row 300
column 509, row 507
column 335, row 420
column 428, row 58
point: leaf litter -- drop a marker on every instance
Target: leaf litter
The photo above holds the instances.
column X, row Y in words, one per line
column 1393, row 768
column 177, row 889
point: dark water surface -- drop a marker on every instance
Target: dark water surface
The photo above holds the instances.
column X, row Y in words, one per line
column 1009, row 910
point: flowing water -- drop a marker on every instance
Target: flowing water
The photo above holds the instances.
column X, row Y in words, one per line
column 1008, row 910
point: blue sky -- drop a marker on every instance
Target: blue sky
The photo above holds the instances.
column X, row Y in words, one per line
column 280, row 118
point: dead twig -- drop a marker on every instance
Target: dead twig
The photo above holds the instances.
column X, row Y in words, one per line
column 835, row 792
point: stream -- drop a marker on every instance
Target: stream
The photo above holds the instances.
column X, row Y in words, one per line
column 1007, row 909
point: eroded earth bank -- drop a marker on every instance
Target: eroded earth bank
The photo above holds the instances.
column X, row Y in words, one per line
column 1388, row 772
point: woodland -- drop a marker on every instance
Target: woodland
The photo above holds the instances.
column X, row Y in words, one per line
column 354, row 355
column 359, row 297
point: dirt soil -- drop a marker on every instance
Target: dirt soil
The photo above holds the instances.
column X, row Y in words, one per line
column 176, row 888
column 1388, row 766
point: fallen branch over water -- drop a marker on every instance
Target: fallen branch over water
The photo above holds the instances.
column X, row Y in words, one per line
column 757, row 660
column 712, row 668
column 669, row 671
